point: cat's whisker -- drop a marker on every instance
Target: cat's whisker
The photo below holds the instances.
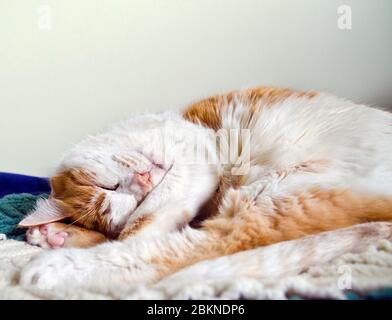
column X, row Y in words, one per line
column 81, row 217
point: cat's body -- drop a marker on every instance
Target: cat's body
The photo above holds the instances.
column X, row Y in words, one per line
column 299, row 164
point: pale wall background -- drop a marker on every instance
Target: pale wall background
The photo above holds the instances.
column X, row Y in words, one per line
column 104, row 60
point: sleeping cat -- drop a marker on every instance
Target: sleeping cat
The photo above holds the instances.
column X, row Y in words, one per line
column 250, row 168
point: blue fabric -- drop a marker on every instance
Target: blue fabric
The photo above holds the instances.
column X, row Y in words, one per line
column 18, row 183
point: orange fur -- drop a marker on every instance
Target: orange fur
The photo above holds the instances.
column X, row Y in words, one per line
column 243, row 225
column 78, row 237
column 75, row 191
column 309, row 212
column 207, row 111
column 138, row 224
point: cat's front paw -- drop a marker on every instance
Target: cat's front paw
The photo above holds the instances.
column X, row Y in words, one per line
column 52, row 269
column 47, row 236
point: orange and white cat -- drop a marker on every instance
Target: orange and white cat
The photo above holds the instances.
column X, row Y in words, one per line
column 252, row 168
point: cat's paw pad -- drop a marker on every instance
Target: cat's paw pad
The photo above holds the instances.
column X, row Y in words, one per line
column 46, row 236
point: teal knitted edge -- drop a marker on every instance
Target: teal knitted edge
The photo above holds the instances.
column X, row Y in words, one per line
column 13, row 208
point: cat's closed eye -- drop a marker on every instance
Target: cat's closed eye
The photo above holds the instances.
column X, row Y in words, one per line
column 110, row 188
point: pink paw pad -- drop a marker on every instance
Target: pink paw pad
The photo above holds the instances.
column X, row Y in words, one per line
column 57, row 239
column 54, row 239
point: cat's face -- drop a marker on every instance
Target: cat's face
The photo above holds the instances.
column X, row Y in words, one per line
column 110, row 180
column 104, row 200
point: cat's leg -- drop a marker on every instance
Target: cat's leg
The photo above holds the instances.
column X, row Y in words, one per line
column 60, row 235
column 306, row 199
column 137, row 260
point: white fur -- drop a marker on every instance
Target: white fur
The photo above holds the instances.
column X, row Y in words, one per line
column 354, row 141
column 167, row 138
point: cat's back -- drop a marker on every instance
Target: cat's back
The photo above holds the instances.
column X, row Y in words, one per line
column 302, row 122
column 287, row 128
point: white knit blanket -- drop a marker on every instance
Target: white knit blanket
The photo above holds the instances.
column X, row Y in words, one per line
column 368, row 270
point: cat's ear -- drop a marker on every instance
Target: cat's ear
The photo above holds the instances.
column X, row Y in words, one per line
column 46, row 211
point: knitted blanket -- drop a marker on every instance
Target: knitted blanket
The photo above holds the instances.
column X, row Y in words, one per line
column 351, row 276
column 12, row 210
